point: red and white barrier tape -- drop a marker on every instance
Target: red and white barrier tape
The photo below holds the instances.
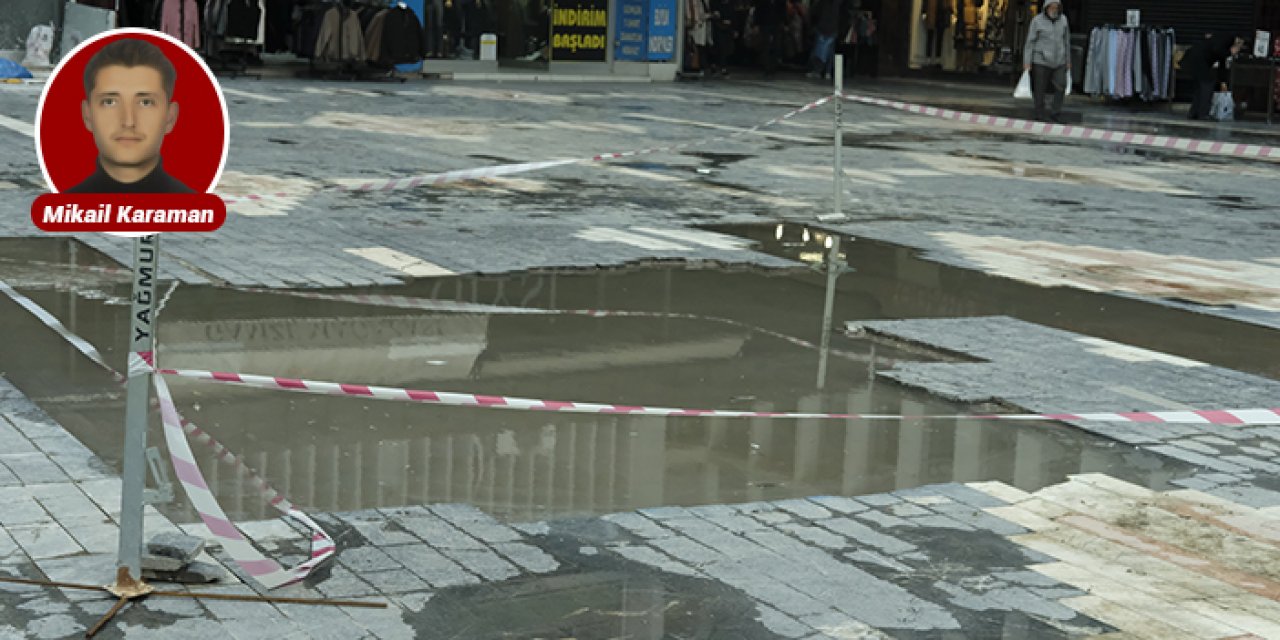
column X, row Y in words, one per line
column 253, row 563
column 1229, row 417
column 1089, row 134
column 452, row 306
column 436, row 179
column 266, row 571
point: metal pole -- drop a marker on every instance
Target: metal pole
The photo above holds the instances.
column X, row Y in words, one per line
column 839, row 148
column 828, row 309
column 146, row 252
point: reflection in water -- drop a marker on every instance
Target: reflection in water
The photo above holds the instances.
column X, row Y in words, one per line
column 343, row 453
column 893, row 282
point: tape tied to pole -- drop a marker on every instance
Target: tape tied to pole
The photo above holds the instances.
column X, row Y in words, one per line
column 269, row 573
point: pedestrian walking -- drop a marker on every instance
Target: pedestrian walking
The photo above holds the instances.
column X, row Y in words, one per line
column 1206, row 62
column 825, row 17
column 699, row 33
column 723, row 36
column 1047, row 55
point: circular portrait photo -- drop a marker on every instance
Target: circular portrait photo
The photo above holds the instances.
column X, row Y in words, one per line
column 132, row 111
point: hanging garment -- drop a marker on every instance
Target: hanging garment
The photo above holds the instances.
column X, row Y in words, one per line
column 278, row 22
column 1091, row 80
column 242, row 18
column 1130, row 63
column 351, row 39
column 403, row 41
column 307, row 29
column 328, row 39
column 373, row 36
column 181, row 19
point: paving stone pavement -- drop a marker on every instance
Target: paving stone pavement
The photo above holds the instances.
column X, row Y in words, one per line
column 1088, row 374
column 922, row 182
column 980, row 559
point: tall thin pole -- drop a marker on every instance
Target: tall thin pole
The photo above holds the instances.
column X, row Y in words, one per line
column 838, row 173
column 146, row 253
column 828, row 309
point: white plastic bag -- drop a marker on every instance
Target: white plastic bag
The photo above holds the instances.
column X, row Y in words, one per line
column 1023, row 92
column 1223, row 107
column 39, row 44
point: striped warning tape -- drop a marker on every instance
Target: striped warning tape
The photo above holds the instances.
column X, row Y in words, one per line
column 436, row 179
column 266, row 571
column 1174, row 143
column 1090, row 134
column 1228, row 417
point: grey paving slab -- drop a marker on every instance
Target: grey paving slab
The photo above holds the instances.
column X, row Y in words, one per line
column 881, row 519
column 880, row 499
column 861, row 534
column 344, row 583
column 430, row 565
column 41, row 541
column 365, row 559
column 806, row 509
column 33, row 468
column 438, row 533
column 839, row 504
column 687, row 550
column 23, row 510
column 527, row 556
column 484, row 563
column 654, row 558
column 639, row 525
column 815, row 535
column 395, row 581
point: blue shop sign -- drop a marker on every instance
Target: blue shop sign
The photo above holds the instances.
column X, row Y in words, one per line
column 662, row 30
column 632, row 31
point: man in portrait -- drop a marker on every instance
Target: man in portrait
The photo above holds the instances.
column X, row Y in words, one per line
column 129, row 109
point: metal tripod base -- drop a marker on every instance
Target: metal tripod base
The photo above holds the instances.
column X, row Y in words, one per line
column 127, row 589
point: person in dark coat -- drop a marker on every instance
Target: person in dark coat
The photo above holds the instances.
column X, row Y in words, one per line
column 723, row 36
column 1200, row 61
column 826, row 18
column 770, row 18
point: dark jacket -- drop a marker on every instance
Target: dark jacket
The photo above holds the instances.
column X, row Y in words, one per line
column 770, row 14
column 155, row 182
column 242, row 19
column 826, row 17
column 1201, row 57
column 402, row 39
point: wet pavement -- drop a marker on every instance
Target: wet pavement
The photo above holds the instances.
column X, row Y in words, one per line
column 991, row 271
column 349, row 454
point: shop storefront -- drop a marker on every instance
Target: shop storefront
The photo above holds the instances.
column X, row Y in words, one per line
column 971, row 36
column 987, row 36
column 369, row 38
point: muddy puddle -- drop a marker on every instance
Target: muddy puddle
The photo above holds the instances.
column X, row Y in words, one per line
column 892, row 281
column 347, row 453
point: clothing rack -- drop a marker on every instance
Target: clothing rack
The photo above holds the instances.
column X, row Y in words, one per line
column 333, row 35
column 233, row 36
column 1131, row 63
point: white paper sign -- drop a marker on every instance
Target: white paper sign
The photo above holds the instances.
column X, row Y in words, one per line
column 1133, row 18
column 1262, row 44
